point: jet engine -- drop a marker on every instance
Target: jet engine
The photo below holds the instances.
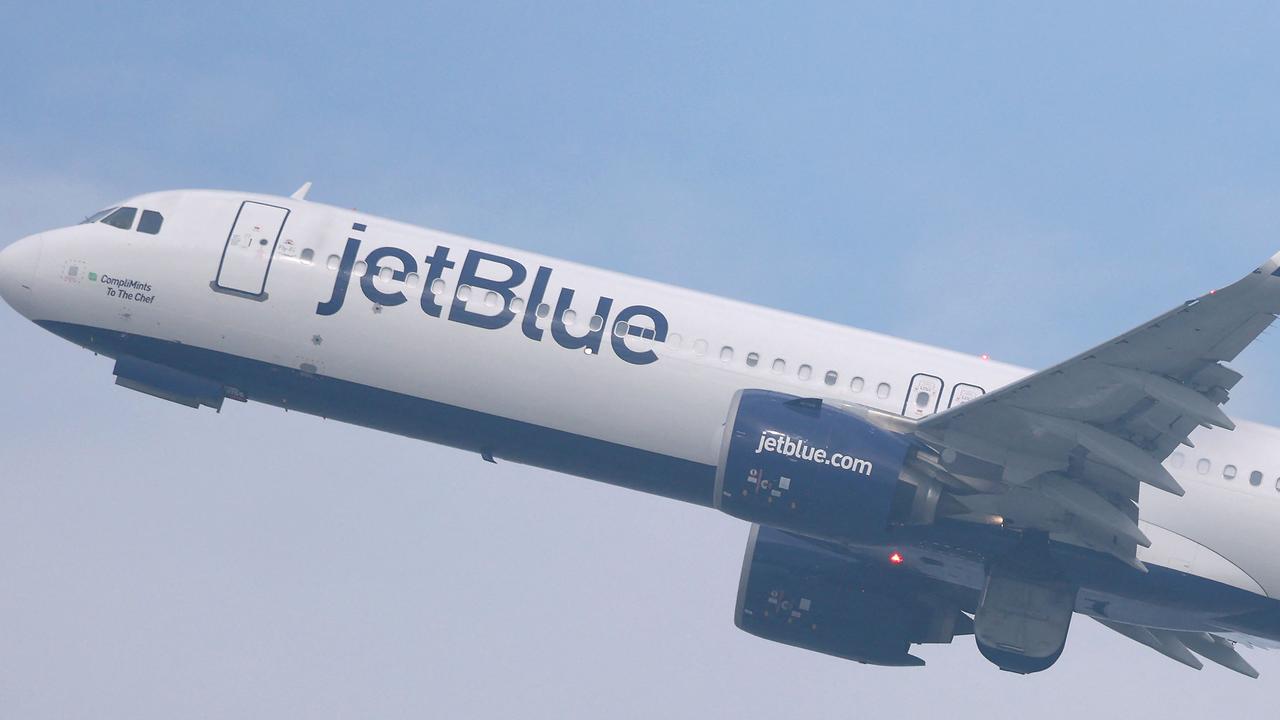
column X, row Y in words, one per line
column 817, row 469
column 809, row 594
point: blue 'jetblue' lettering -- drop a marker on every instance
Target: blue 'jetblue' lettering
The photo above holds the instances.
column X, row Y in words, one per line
column 436, row 263
column 560, row 332
column 334, row 303
column 374, row 268
column 490, row 273
column 470, row 276
column 628, row 315
column 529, row 325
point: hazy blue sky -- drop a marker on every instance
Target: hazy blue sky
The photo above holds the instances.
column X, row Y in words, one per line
column 992, row 178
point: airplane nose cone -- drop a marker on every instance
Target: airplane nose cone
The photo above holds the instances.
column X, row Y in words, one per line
column 17, row 268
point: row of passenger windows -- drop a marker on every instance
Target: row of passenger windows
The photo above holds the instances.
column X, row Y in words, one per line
column 779, row 366
column 1229, row 472
column 150, row 221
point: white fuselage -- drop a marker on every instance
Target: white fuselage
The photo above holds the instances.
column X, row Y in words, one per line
column 666, row 397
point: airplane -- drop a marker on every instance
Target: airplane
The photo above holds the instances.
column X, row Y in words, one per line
column 897, row 494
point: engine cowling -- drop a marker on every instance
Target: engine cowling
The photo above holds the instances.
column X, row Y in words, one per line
column 808, row 594
column 813, row 468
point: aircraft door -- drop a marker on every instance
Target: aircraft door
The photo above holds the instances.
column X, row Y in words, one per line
column 963, row 393
column 251, row 244
column 922, row 396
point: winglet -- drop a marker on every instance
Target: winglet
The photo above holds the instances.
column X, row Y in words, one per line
column 301, row 193
column 1271, row 266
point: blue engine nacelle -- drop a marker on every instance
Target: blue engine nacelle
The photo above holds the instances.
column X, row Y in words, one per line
column 812, row 468
column 812, row 595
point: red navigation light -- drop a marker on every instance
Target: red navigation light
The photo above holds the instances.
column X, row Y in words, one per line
column 895, row 558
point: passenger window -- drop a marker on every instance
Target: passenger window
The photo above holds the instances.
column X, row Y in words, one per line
column 517, row 305
column 438, row 286
column 1177, row 460
column 882, row 390
column 779, row 365
column 699, row 347
column 1202, row 466
column 492, row 299
column 596, row 323
column 620, row 328
column 333, row 262
column 856, row 384
column 726, row 354
column 831, row 377
column 464, row 291
column 1255, row 478
column 543, row 311
column 308, row 255
column 569, row 317
column 122, row 218
column 674, row 340
column 806, row 372
column 1229, row 472
column 150, row 222
column 753, row 359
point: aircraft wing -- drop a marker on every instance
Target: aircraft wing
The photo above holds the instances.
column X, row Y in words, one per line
column 1065, row 449
column 1184, row 647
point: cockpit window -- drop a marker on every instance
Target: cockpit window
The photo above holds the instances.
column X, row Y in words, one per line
column 121, row 218
column 97, row 216
column 150, row 222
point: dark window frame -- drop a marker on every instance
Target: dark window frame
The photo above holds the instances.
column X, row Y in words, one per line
column 118, row 214
column 148, row 217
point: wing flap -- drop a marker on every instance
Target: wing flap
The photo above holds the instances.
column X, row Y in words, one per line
column 1162, row 642
column 1218, row 650
column 1184, row 647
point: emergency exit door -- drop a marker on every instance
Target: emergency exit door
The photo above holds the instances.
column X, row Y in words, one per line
column 251, row 244
column 922, row 396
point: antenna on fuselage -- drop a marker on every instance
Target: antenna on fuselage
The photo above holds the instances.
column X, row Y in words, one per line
column 301, row 193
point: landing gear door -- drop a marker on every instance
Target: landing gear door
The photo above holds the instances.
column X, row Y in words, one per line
column 246, row 259
column 923, row 396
